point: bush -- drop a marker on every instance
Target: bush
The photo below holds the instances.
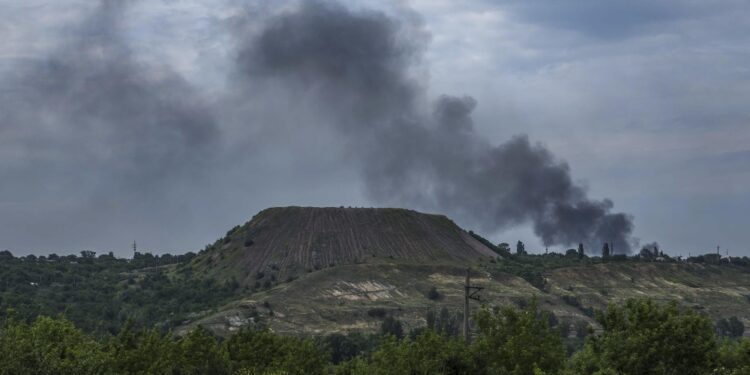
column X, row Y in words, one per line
column 582, row 329
column 376, row 312
column 262, row 352
column 731, row 327
column 433, row 294
column 572, row 301
column 392, row 326
column 734, row 356
column 444, row 323
column 48, row 346
column 428, row 353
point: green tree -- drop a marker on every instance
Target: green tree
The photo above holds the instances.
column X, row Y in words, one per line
column 199, row 353
column 260, row 352
column 734, row 357
column 135, row 351
column 731, row 327
column 504, row 248
column 643, row 337
column 392, row 326
column 433, row 294
column 520, row 248
column 429, row 353
column 605, row 251
column 48, row 346
column 346, row 347
column 518, row 342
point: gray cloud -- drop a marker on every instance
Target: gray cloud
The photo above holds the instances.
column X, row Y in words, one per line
column 607, row 20
column 360, row 64
column 92, row 98
column 645, row 99
column 92, row 133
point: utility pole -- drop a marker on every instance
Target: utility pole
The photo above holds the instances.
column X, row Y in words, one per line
column 470, row 292
column 135, row 249
column 466, row 308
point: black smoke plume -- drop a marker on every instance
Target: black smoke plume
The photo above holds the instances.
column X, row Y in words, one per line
column 362, row 69
column 97, row 146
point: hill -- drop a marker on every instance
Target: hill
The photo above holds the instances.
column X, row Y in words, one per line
column 317, row 270
column 286, row 242
column 357, row 297
column 321, row 270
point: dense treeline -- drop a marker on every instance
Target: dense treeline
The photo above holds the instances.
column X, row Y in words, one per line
column 100, row 293
column 637, row 337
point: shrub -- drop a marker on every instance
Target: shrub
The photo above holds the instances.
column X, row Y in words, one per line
column 376, row 312
column 262, row 352
column 731, row 327
column 428, row 353
column 433, row 294
column 392, row 326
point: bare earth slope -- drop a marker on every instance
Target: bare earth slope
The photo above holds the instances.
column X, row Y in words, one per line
column 290, row 241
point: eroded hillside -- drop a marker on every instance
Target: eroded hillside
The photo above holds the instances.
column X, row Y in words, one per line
column 322, row 270
column 357, row 297
column 283, row 243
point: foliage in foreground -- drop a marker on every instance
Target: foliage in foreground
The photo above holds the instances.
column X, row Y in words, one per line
column 642, row 337
column 637, row 337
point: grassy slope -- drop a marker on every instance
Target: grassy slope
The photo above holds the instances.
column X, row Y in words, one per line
column 720, row 291
column 339, row 298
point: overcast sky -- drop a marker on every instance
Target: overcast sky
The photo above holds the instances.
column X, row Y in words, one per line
column 155, row 121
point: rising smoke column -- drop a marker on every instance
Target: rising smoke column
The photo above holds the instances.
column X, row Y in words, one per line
column 362, row 69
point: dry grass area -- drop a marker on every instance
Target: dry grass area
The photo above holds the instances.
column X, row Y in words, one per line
column 356, row 297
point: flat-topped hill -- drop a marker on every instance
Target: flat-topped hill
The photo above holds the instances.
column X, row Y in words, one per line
column 288, row 241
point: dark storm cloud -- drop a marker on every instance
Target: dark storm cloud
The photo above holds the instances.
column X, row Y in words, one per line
column 92, row 99
column 360, row 66
column 92, row 132
column 100, row 147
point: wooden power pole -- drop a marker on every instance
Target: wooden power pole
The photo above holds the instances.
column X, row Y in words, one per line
column 466, row 307
column 470, row 292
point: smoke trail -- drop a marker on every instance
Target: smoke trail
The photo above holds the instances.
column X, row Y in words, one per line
column 362, row 69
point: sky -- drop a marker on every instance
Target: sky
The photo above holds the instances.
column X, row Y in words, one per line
column 552, row 122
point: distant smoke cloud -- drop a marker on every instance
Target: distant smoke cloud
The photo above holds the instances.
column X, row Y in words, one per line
column 100, row 111
column 361, row 66
column 95, row 142
column 89, row 133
